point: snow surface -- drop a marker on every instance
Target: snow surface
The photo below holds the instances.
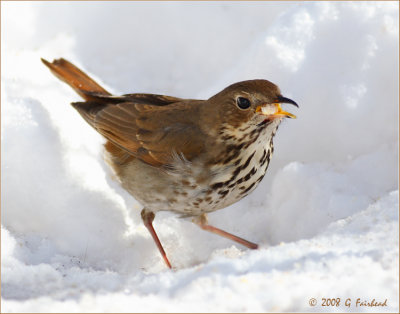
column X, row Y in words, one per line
column 326, row 215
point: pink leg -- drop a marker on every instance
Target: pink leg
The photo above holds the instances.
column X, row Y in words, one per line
column 201, row 221
column 148, row 218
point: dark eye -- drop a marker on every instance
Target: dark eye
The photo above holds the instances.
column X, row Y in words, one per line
column 243, row 103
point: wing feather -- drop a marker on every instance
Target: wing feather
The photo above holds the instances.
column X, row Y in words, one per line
column 153, row 133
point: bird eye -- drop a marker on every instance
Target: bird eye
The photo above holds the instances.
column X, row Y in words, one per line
column 243, row 103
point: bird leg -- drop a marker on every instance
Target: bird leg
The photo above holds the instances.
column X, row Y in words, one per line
column 202, row 222
column 148, row 218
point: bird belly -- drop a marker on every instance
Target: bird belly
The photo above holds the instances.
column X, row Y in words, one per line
column 157, row 189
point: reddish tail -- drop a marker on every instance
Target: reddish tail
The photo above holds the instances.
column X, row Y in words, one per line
column 86, row 87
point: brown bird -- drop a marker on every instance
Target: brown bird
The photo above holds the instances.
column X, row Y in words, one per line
column 188, row 156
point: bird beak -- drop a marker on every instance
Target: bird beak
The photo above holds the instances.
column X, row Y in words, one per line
column 276, row 111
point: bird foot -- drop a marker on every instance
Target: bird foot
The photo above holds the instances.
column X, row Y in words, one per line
column 202, row 222
column 148, row 218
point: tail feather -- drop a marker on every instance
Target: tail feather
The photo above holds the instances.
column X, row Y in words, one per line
column 85, row 86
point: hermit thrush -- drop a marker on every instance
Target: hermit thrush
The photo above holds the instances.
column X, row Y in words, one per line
column 187, row 156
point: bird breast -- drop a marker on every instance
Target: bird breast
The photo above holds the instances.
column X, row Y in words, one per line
column 201, row 186
column 246, row 163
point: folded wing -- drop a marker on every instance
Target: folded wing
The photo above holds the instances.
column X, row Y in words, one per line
column 153, row 128
column 154, row 134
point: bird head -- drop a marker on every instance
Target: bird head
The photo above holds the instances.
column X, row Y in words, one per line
column 254, row 102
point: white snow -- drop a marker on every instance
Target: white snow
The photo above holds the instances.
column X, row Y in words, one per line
column 325, row 216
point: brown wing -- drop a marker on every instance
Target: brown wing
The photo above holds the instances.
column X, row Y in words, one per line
column 154, row 134
column 150, row 127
